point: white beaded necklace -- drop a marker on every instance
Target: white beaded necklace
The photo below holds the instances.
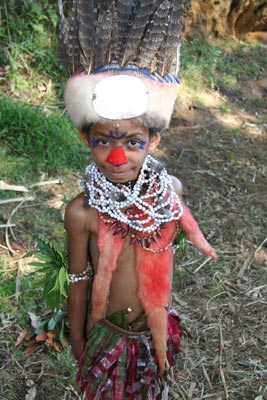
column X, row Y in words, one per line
column 145, row 208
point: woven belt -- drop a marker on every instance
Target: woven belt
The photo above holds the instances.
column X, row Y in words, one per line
column 121, row 331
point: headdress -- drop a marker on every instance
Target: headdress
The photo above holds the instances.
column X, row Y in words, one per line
column 123, row 56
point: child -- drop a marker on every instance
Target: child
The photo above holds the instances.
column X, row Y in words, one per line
column 125, row 221
column 121, row 283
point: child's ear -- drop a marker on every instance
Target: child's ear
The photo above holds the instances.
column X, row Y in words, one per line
column 85, row 138
column 154, row 141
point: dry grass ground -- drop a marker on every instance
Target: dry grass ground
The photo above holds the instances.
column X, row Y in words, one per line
column 221, row 159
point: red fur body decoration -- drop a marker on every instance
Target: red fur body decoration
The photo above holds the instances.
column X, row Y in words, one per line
column 154, row 288
column 109, row 249
column 154, row 272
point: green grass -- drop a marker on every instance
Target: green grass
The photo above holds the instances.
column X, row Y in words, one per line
column 30, row 58
column 35, row 142
column 221, row 66
column 29, row 294
column 37, row 138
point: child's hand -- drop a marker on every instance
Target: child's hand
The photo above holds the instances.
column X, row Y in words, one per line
column 194, row 234
column 77, row 347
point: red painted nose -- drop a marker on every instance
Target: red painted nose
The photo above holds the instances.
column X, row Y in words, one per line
column 117, row 156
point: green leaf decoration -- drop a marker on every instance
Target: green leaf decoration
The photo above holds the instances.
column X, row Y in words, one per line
column 119, row 318
column 42, row 327
column 53, row 264
column 180, row 241
column 61, row 333
column 55, row 319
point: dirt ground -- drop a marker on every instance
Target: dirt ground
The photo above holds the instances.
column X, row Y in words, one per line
column 220, row 157
column 221, row 160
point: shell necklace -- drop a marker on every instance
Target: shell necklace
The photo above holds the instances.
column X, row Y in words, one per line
column 140, row 211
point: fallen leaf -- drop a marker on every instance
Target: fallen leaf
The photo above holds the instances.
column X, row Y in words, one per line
column 31, row 349
column 50, row 341
column 64, row 341
column 57, row 347
column 31, row 394
column 41, row 337
column 29, row 383
column 28, row 336
column 20, row 338
column 51, row 334
column 28, row 343
column 35, row 320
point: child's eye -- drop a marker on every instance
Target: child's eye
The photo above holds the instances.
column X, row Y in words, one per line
column 99, row 142
column 102, row 142
column 134, row 144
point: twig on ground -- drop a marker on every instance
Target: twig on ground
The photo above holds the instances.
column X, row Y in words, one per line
column 252, row 303
column 12, row 234
column 16, row 362
column 260, row 246
column 202, row 265
column 41, row 373
column 221, row 363
column 246, row 265
column 52, row 182
column 181, row 155
column 3, row 247
column 8, row 244
column 9, row 222
column 206, row 376
column 51, row 374
column 17, row 199
column 15, row 188
column 18, row 279
column 191, row 390
column 182, row 393
column 250, row 260
column 193, row 262
column 256, row 289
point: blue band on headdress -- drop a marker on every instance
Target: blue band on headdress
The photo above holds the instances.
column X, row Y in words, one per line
column 115, row 67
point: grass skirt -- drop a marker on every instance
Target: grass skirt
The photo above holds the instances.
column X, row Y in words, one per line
column 119, row 364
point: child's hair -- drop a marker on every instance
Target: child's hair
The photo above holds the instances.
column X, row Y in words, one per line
column 86, row 130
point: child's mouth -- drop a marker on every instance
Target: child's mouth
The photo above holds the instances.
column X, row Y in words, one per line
column 118, row 175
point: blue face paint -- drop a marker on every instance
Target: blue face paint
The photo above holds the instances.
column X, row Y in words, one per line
column 115, row 134
column 142, row 144
column 94, row 143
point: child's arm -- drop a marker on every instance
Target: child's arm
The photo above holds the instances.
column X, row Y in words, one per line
column 78, row 235
column 190, row 225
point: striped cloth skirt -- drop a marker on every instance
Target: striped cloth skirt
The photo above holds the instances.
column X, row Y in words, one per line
column 119, row 363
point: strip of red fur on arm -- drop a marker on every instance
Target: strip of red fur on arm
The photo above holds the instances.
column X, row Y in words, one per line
column 194, row 234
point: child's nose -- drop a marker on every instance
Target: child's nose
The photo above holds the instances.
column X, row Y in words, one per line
column 117, row 157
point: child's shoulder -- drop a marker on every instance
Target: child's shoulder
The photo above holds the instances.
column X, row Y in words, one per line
column 177, row 185
column 76, row 203
column 76, row 209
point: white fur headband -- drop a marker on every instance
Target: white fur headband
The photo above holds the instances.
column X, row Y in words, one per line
column 97, row 98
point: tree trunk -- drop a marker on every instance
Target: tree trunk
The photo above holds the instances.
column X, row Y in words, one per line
column 220, row 18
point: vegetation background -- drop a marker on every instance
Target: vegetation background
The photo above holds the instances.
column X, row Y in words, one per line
column 216, row 144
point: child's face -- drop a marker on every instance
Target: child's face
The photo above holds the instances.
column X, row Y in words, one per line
column 119, row 148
